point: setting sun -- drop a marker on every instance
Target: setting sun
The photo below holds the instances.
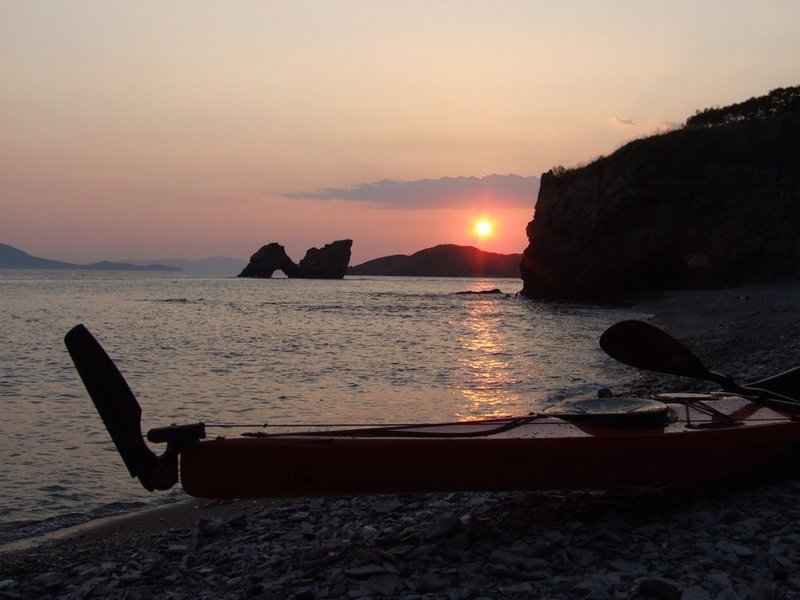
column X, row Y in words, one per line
column 483, row 228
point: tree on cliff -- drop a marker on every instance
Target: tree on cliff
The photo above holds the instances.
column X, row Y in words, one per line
column 778, row 102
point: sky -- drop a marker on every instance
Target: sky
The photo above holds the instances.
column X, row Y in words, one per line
column 187, row 129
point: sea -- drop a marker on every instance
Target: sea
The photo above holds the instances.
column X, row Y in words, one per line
column 282, row 352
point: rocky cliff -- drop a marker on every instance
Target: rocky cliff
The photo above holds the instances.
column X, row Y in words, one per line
column 444, row 260
column 700, row 207
column 329, row 262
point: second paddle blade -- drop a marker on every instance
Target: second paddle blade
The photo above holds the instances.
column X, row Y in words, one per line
column 645, row 346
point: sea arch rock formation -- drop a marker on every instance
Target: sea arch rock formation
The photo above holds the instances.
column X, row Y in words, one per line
column 328, row 262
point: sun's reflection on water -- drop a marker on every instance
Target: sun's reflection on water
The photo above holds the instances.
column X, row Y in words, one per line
column 486, row 362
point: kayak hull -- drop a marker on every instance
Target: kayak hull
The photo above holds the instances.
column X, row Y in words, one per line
column 544, row 453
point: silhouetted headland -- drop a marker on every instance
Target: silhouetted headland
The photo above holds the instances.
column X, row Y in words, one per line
column 444, row 260
column 713, row 204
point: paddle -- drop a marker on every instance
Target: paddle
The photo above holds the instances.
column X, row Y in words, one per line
column 122, row 414
column 645, row 346
column 112, row 397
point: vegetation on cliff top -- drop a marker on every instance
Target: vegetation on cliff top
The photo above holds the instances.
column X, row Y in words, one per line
column 779, row 102
column 738, row 129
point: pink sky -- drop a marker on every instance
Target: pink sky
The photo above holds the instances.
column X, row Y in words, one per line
column 185, row 130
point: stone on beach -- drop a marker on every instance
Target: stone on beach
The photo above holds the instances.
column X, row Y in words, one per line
column 317, row 549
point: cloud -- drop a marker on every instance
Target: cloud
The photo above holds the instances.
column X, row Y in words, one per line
column 501, row 191
column 651, row 126
column 620, row 122
column 665, row 126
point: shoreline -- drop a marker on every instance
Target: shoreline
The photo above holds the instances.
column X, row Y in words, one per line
column 116, row 533
column 749, row 331
column 163, row 517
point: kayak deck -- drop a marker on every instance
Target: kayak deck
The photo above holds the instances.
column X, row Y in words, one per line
column 528, row 453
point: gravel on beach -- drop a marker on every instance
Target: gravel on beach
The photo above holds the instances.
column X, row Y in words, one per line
column 729, row 540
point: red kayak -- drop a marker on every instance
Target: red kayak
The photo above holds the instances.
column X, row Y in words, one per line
column 598, row 443
column 530, row 453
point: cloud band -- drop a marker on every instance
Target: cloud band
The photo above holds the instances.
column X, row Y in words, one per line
column 501, row 191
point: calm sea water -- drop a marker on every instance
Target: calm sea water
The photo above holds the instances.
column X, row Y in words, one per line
column 222, row 349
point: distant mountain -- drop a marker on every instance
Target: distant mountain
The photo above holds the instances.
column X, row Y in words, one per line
column 218, row 265
column 445, row 260
column 14, row 258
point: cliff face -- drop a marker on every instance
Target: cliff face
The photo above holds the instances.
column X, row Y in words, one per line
column 694, row 208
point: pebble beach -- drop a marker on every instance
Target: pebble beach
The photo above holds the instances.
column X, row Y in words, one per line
column 722, row 540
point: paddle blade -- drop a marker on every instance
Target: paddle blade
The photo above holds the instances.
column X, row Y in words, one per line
column 113, row 399
column 645, row 346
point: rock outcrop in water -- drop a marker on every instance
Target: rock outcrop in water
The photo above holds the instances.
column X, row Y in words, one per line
column 329, row 262
column 706, row 206
column 268, row 259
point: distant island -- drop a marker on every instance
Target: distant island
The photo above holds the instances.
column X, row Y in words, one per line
column 14, row 258
column 213, row 265
column 444, row 260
